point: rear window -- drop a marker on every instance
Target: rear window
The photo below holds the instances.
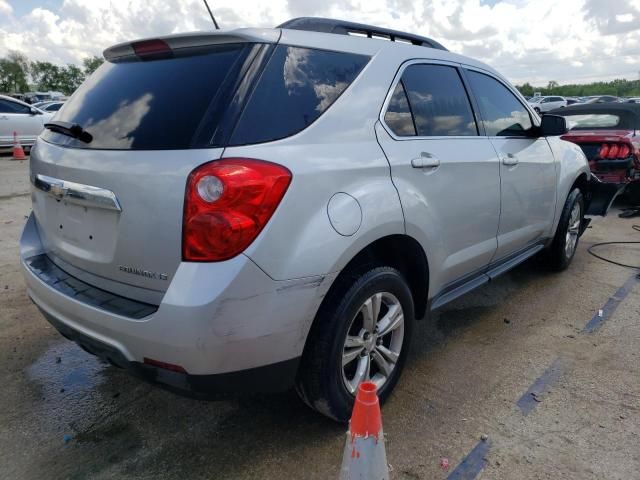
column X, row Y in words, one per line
column 592, row 121
column 149, row 105
column 297, row 86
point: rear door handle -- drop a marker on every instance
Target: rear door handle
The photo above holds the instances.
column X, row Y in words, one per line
column 425, row 160
column 4, row 117
column 509, row 160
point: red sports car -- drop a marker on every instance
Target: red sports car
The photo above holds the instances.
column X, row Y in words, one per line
column 608, row 136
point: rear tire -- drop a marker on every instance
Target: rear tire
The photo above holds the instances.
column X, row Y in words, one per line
column 348, row 343
column 565, row 241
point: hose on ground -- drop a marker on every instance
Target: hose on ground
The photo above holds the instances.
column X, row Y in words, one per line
column 596, row 245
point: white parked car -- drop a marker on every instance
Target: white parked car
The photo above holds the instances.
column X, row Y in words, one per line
column 546, row 104
column 20, row 117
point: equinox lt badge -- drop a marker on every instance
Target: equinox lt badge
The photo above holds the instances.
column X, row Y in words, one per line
column 142, row 273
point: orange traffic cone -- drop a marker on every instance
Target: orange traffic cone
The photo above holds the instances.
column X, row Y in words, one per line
column 364, row 454
column 18, row 152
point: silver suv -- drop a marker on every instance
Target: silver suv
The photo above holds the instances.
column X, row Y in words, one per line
column 256, row 209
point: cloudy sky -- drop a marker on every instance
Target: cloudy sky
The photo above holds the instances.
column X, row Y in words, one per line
column 527, row 40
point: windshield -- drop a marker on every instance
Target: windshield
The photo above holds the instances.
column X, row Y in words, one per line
column 592, row 121
column 535, row 99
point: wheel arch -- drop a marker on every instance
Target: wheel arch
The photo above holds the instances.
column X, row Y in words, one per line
column 400, row 251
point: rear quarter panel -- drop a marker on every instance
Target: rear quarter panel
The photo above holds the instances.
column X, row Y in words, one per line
column 337, row 153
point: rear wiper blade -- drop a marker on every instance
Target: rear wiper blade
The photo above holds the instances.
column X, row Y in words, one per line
column 70, row 129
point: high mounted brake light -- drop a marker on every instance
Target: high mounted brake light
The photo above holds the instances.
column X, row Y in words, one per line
column 227, row 204
column 151, row 48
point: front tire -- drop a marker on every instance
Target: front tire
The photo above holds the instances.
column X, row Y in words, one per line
column 565, row 241
column 362, row 332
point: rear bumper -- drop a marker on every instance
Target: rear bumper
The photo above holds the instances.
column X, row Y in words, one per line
column 269, row 378
column 601, row 196
column 223, row 323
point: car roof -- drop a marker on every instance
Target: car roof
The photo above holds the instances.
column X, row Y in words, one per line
column 11, row 99
column 305, row 38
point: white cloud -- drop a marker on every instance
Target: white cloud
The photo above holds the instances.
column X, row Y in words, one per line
column 5, row 8
column 527, row 40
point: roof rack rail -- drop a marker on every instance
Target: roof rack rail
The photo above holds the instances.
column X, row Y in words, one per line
column 340, row 27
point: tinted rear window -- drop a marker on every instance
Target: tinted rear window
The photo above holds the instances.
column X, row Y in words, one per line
column 148, row 105
column 297, row 86
column 438, row 101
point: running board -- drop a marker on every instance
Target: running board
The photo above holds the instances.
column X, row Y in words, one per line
column 495, row 271
column 509, row 264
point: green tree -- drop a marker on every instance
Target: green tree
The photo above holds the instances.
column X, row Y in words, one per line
column 14, row 69
column 91, row 64
column 526, row 89
column 46, row 76
column 71, row 78
column 49, row 77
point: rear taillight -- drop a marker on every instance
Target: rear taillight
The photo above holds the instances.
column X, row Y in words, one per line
column 614, row 150
column 227, row 203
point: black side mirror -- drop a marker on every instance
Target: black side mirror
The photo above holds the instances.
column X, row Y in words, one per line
column 553, row 125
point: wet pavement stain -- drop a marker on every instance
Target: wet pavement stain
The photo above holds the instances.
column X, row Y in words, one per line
column 68, row 379
column 65, row 366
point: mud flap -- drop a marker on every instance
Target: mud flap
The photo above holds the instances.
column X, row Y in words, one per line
column 601, row 195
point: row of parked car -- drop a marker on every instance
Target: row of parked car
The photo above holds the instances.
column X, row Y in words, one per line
column 543, row 104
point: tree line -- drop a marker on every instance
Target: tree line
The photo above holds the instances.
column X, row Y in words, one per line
column 18, row 74
column 619, row 88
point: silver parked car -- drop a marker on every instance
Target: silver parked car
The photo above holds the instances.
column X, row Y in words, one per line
column 256, row 209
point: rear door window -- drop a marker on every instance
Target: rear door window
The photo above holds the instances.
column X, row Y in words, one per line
column 297, row 86
column 502, row 112
column 438, row 101
column 154, row 104
column 398, row 116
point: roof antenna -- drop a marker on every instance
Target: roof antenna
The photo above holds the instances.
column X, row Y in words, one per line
column 211, row 14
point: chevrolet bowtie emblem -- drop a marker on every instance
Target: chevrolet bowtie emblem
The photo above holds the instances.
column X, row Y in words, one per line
column 58, row 191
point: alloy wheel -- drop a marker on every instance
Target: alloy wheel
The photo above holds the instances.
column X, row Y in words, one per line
column 374, row 342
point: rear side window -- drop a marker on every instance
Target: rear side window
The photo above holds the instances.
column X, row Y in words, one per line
column 398, row 117
column 297, row 86
column 153, row 104
column 438, row 101
column 502, row 113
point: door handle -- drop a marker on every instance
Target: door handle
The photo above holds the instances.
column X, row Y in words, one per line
column 4, row 117
column 509, row 159
column 425, row 160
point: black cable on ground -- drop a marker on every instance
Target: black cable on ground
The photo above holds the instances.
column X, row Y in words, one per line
column 590, row 250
